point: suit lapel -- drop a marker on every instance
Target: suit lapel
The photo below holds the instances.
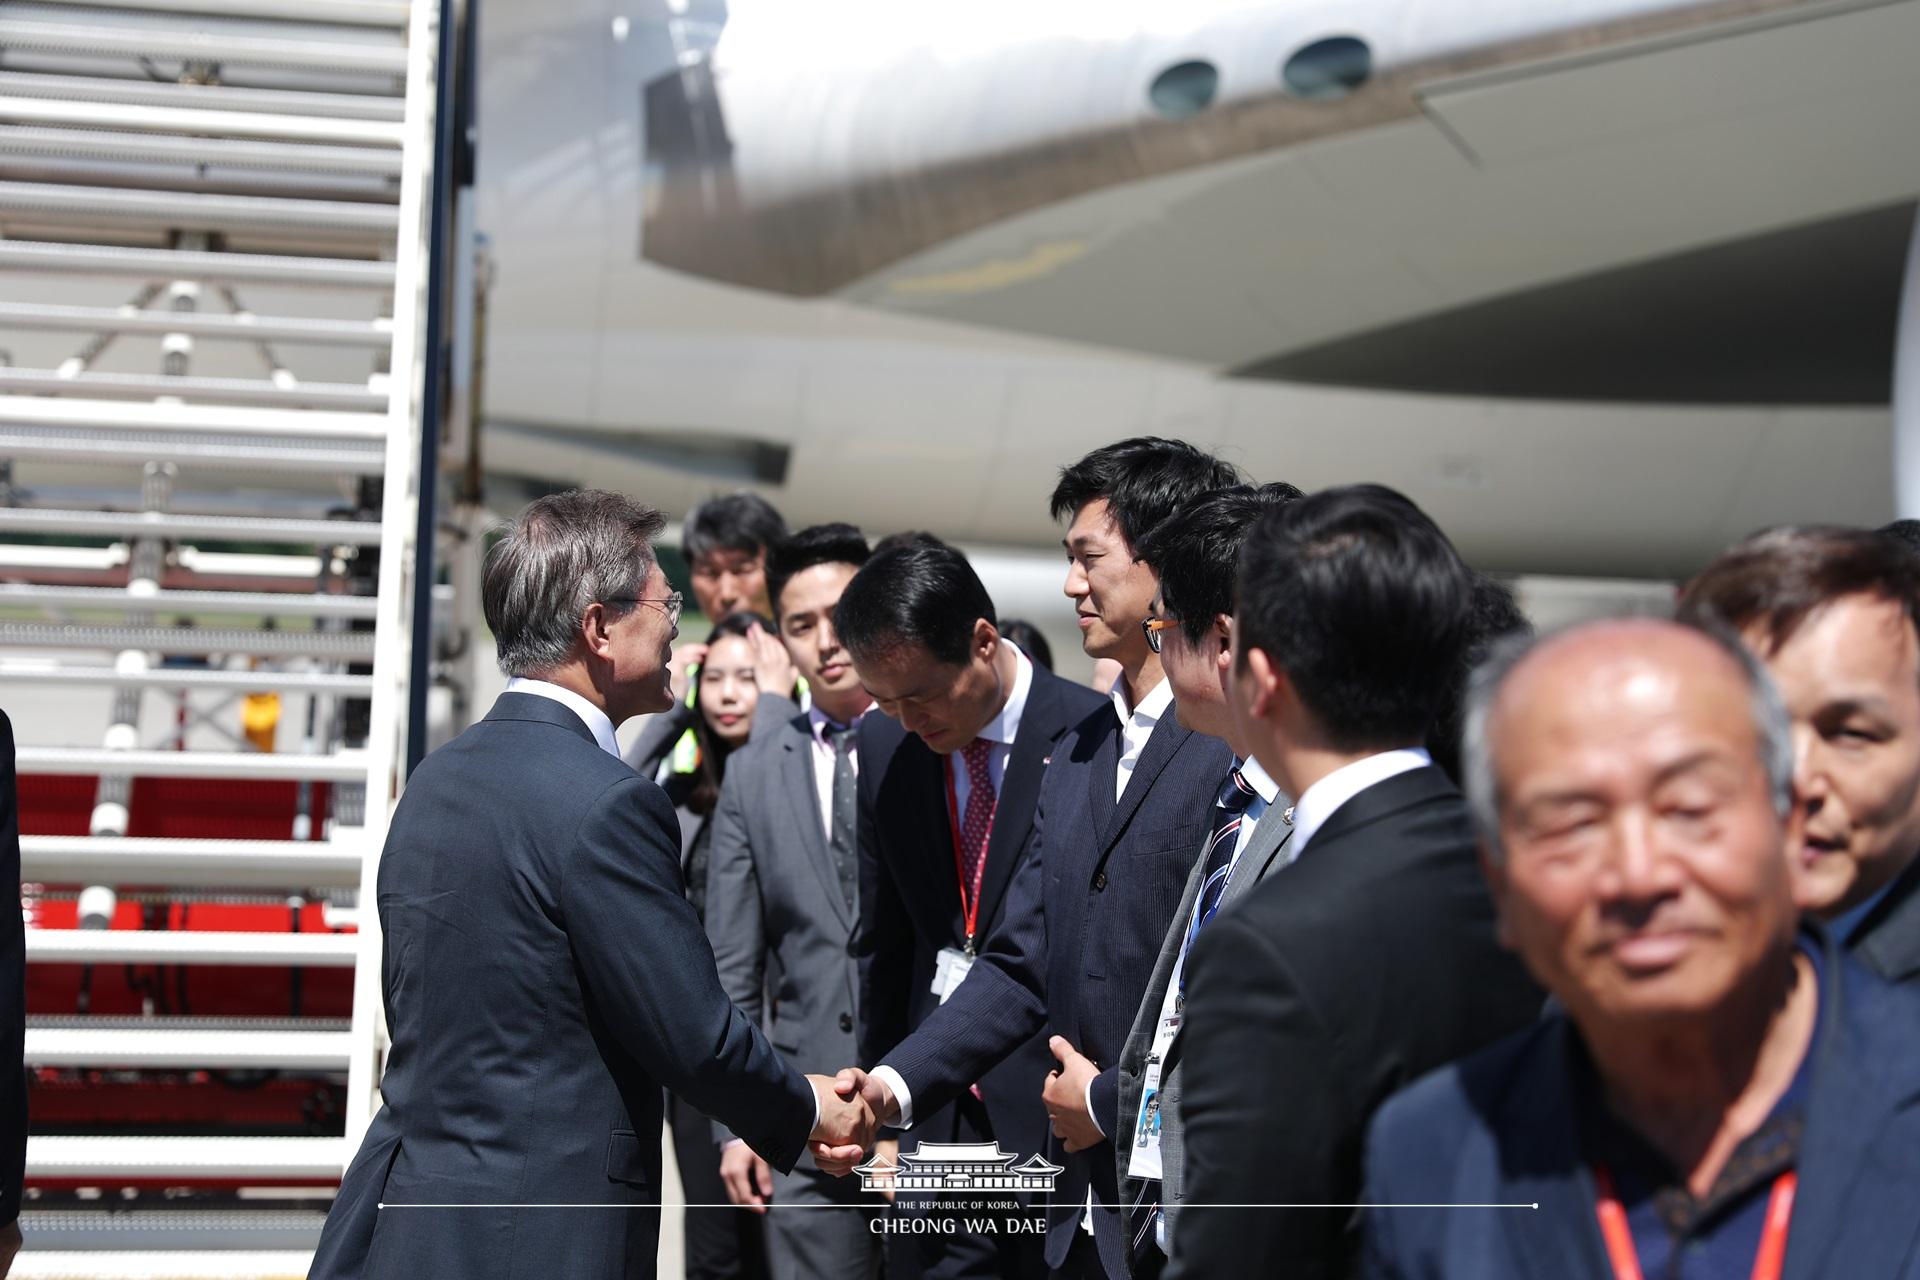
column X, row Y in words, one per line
column 1862, row 1126
column 1040, row 728
column 1106, row 761
column 1890, row 936
column 1270, row 835
column 796, row 778
column 1167, row 739
column 925, row 794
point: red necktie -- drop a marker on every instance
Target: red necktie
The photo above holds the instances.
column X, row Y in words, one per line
column 976, row 824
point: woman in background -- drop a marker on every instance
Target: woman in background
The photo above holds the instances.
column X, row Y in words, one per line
column 721, row 1244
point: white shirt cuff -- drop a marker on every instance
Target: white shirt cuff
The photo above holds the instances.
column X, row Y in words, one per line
column 731, row 1143
column 1096, row 1119
column 898, row 1088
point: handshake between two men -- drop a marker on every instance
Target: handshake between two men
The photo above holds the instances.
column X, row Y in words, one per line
column 855, row 1104
column 853, row 1108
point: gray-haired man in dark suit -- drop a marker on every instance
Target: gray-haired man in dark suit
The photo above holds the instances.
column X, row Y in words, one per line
column 545, row 975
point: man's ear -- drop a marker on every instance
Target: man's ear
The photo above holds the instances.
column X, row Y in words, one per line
column 986, row 639
column 593, row 629
column 1223, row 635
column 1267, row 680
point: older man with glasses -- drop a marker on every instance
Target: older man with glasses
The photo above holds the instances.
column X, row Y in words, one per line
column 1719, row 1091
column 545, row 976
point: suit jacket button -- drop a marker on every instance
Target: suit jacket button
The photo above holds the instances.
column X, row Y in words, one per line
column 846, row 1022
column 853, row 947
column 1100, row 882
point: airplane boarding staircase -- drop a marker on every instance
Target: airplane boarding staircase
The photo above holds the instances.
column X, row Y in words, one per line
column 216, row 239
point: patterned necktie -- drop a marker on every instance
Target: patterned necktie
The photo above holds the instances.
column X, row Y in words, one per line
column 845, row 801
column 976, row 822
column 1230, row 810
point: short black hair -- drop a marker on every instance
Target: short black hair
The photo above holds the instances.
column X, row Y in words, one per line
column 920, row 591
column 1496, row 615
column 731, row 522
column 1904, row 532
column 1356, row 594
column 819, row 544
column 1144, row 480
column 1195, row 552
column 1028, row 638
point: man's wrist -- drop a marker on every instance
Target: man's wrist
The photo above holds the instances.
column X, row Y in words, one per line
column 1091, row 1114
column 902, row 1096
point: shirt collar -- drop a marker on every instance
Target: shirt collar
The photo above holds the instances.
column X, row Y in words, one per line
column 1324, row 798
column 596, row 719
column 1263, row 785
column 817, row 722
column 1151, row 707
column 1005, row 727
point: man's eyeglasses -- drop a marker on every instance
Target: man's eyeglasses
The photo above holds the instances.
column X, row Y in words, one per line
column 1153, row 627
column 670, row 605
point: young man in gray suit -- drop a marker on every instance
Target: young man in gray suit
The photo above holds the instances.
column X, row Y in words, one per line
column 782, row 900
column 1195, row 554
column 545, row 976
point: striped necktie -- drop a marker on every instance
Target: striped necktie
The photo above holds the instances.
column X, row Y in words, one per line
column 1229, row 812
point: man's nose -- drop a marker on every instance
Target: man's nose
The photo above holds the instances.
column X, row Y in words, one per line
column 1075, row 586
column 1637, row 867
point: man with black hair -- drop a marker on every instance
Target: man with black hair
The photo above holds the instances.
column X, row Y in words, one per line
column 1496, row 615
column 1835, row 614
column 1904, row 532
column 1195, row 554
column 725, row 541
column 950, row 778
column 1126, row 800
column 1371, row 957
column 783, row 901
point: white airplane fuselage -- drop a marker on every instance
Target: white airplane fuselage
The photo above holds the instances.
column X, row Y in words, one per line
column 1576, row 275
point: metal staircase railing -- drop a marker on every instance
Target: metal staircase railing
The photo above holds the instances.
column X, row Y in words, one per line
column 215, row 240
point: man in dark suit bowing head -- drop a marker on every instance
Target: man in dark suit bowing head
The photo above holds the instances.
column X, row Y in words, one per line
column 1126, row 801
column 949, row 778
column 544, row 974
column 1371, row 957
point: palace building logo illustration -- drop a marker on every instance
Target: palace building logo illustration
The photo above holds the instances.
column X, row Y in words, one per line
column 958, row 1166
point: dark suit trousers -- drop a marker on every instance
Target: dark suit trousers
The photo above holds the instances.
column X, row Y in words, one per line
column 722, row 1244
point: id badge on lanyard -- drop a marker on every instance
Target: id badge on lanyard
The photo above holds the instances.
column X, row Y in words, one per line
column 1145, row 1161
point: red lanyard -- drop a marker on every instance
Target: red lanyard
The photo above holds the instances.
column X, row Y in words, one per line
column 1626, row 1263
column 969, row 903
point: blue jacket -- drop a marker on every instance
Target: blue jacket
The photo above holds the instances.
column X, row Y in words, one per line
column 545, row 977
column 1086, row 914
column 1500, row 1128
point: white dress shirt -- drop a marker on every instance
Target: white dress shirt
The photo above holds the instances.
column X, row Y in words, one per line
column 1136, row 726
column 1001, row 731
column 817, row 723
column 1324, row 798
column 596, row 719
